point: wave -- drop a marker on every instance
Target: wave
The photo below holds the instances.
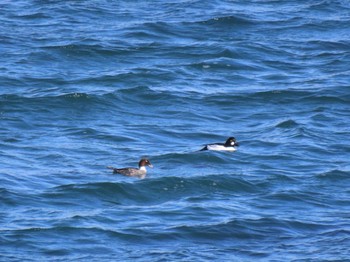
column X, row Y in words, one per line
column 335, row 175
column 150, row 191
column 260, row 228
column 222, row 20
column 287, row 124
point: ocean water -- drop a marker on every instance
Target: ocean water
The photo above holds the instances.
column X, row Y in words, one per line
column 89, row 84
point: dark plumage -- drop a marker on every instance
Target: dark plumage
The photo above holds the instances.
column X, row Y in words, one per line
column 135, row 172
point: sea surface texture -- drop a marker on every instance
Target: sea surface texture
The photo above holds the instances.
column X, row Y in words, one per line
column 90, row 84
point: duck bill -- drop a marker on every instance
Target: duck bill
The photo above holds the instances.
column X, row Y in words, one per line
column 236, row 144
column 151, row 166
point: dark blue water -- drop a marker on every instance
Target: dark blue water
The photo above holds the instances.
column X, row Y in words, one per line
column 88, row 84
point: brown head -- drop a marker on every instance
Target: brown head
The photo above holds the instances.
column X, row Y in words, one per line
column 145, row 162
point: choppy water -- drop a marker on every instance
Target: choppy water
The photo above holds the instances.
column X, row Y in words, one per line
column 87, row 84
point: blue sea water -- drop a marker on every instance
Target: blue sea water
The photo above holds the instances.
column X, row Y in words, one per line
column 89, row 84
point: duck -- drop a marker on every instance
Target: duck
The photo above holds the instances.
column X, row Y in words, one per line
column 230, row 145
column 133, row 172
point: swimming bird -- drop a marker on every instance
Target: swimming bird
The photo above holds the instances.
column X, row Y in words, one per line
column 230, row 145
column 135, row 172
